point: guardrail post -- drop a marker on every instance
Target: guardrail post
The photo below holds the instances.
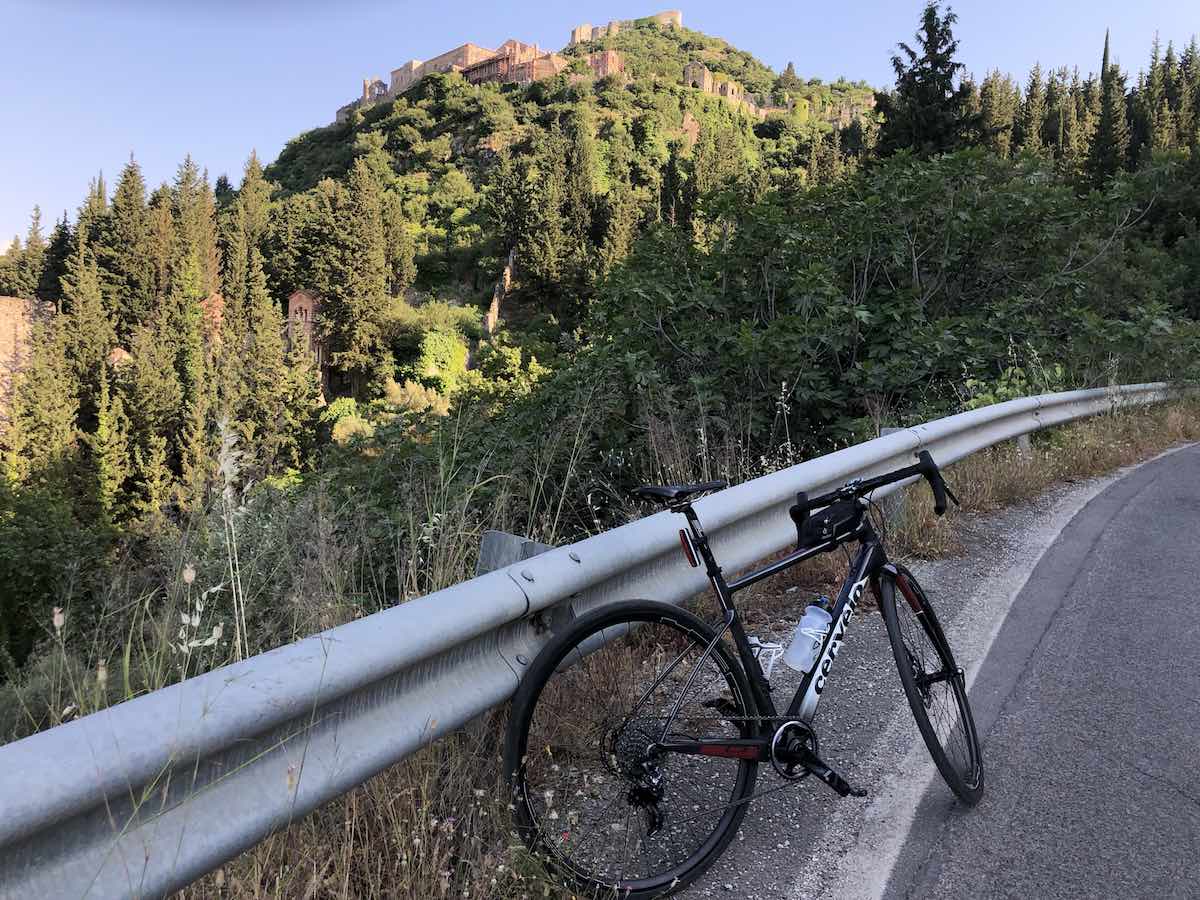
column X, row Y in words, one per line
column 499, row 549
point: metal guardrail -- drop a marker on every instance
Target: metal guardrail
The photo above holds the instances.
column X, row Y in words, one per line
column 146, row 796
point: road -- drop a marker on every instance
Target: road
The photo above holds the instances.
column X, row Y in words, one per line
column 1072, row 615
column 1089, row 703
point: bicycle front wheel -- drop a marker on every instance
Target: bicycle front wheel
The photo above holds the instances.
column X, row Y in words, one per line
column 592, row 796
column 935, row 686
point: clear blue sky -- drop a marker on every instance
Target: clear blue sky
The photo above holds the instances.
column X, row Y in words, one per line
column 86, row 83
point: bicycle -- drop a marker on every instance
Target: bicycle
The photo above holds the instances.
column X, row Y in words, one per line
column 635, row 737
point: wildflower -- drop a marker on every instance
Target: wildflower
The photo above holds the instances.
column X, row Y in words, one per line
column 59, row 620
column 189, row 573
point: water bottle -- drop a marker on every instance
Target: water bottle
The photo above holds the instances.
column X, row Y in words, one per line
column 810, row 634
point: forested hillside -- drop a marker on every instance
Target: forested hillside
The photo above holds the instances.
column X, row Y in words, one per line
column 697, row 293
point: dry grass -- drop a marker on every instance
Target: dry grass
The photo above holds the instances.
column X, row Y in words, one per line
column 436, row 825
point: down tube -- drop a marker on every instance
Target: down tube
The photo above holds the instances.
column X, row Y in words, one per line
column 808, row 695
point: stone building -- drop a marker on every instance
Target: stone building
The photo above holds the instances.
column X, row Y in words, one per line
column 304, row 311
column 606, row 62
column 451, row 61
column 499, row 65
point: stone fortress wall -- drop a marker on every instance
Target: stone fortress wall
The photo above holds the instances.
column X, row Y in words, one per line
column 581, row 34
column 511, row 62
column 697, row 75
column 17, row 318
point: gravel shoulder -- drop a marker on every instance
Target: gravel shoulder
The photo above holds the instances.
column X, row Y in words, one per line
column 805, row 841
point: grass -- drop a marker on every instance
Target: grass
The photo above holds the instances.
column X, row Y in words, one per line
column 437, row 824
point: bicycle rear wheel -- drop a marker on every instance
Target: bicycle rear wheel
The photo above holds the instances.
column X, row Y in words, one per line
column 591, row 797
column 933, row 683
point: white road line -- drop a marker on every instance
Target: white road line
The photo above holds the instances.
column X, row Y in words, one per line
column 861, row 871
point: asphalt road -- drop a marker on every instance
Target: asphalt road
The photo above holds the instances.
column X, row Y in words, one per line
column 1088, row 705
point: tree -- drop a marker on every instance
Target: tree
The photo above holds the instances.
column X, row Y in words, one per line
column 620, row 204
column 41, row 439
column 58, row 251
column 108, row 454
column 789, row 81
column 355, row 286
column 1110, row 145
column 1033, row 114
column 90, row 336
column 262, row 419
column 998, row 111
column 33, row 257
column 194, row 208
column 123, row 253
column 927, row 111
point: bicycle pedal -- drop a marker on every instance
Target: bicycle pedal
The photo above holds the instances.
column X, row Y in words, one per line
column 825, row 773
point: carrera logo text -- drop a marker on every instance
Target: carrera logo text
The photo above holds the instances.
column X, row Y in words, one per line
column 838, row 634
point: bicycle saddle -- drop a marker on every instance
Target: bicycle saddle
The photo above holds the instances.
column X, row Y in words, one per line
column 673, row 493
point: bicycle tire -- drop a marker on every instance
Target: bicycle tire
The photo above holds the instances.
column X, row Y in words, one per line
column 540, row 760
column 961, row 763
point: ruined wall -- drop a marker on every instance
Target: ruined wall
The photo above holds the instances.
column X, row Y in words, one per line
column 580, row 34
column 491, row 321
column 304, row 312
column 17, row 318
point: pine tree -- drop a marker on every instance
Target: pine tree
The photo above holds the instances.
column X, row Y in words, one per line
column 927, row 111
column 163, row 242
column 998, row 110
column 108, row 454
column 194, row 208
column 1033, row 114
column 33, row 258
column 150, row 389
column 10, row 263
column 58, row 251
column 89, row 330
column 93, row 214
column 41, row 440
column 123, row 253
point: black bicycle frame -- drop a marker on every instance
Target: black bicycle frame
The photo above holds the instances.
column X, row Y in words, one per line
column 864, row 570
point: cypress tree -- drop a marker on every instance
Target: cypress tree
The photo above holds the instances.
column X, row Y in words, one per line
column 401, row 250
column 620, row 204
column 1110, row 145
column 262, row 418
column 301, row 400
column 355, row 288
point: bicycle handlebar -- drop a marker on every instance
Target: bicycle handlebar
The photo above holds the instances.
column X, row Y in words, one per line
column 925, row 468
